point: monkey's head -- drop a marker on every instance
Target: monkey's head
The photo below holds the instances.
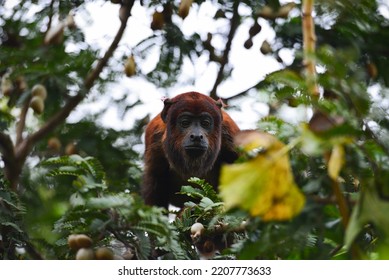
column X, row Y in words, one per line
column 192, row 139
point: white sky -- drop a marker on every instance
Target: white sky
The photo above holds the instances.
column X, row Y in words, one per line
column 250, row 66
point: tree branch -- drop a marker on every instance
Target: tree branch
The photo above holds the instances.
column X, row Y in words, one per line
column 92, row 77
column 24, row 146
column 11, row 163
column 22, row 121
column 309, row 41
column 234, row 26
column 243, row 93
column 6, row 147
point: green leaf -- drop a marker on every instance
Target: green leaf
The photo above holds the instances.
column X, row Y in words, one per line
column 370, row 209
column 192, row 192
column 110, row 201
column 12, row 225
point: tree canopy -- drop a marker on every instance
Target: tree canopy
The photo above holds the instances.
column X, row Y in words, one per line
column 312, row 187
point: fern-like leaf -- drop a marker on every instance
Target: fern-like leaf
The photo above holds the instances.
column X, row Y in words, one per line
column 208, row 189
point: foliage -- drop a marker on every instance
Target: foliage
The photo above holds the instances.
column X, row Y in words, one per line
column 262, row 184
column 60, row 177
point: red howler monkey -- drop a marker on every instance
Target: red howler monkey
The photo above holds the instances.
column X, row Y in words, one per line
column 191, row 137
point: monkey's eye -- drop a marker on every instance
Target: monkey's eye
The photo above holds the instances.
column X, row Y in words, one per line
column 206, row 123
column 185, row 123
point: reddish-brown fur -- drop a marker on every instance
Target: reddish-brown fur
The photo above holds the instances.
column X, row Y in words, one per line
column 167, row 164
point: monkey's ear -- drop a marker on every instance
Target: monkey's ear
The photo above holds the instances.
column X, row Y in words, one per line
column 167, row 103
column 220, row 103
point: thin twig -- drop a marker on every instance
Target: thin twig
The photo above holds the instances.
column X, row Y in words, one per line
column 22, row 122
column 51, row 14
column 234, row 26
column 242, row 93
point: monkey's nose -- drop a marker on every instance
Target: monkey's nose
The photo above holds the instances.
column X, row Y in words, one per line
column 196, row 137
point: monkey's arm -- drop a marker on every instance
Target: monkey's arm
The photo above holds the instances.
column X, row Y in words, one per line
column 155, row 179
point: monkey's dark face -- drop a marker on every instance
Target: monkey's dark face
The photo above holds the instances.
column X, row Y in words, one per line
column 192, row 139
column 195, row 130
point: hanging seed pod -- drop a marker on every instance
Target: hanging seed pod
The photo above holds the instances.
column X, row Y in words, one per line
column 20, row 84
column 85, row 254
column 248, row 44
column 266, row 48
column 37, row 105
column 72, row 242
column 255, row 29
column 70, row 149
column 54, row 144
column 183, row 9
column 39, row 90
column 196, row 231
column 372, row 70
column 104, row 253
column 130, row 66
column 158, row 21
column 84, row 241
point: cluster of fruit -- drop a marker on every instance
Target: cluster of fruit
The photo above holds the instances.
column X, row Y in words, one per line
column 82, row 244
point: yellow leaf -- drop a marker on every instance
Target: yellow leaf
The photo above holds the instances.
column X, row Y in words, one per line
column 336, row 161
column 264, row 185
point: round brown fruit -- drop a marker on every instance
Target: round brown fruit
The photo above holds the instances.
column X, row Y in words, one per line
column 70, row 149
column 255, row 29
column 248, row 44
column 72, row 242
column 196, row 227
column 21, row 83
column 183, row 9
column 372, row 70
column 104, row 253
column 158, row 21
column 196, row 231
column 85, row 254
column 39, row 90
column 130, row 66
column 54, row 144
column 84, row 241
column 266, row 48
column 37, row 104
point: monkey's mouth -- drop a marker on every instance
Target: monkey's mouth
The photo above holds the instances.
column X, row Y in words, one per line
column 195, row 151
